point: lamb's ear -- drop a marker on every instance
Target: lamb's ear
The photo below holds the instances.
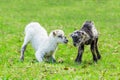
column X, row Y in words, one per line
column 54, row 33
column 92, row 22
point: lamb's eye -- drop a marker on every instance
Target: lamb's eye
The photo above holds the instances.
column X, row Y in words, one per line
column 60, row 36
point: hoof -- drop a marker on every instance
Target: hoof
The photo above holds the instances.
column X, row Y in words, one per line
column 21, row 59
column 78, row 61
column 99, row 57
column 95, row 61
column 53, row 61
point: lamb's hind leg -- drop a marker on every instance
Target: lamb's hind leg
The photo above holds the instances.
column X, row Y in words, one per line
column 22, row 52
column 92, row 47
column 96, row 48
column 26, row 40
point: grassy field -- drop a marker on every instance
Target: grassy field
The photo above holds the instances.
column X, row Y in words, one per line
column 59, row 14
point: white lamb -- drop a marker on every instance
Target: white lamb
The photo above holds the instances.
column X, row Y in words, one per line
column 43, row 44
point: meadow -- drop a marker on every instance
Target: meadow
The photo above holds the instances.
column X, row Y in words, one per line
column 67, row 15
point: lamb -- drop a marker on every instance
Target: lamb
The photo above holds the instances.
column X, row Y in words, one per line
column 87, row 35
column 43, row 44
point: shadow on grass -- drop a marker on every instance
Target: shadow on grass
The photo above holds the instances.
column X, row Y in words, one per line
column 64, row 65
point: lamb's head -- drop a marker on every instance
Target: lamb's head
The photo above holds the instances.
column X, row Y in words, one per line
column 79, row 37
column 59, row 36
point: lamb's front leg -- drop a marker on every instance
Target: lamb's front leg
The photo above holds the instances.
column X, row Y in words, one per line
column 39, row 55
column 96, row 48
column 80, row 52
column 53, row 58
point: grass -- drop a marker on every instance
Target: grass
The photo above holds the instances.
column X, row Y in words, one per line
column 59, row 14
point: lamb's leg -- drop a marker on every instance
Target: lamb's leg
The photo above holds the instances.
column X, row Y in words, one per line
column 26, row 40
column 96, row 48
column 53, row 58
column 39, row 55
column 22, row 52
column 93, row 51
column 80, row 52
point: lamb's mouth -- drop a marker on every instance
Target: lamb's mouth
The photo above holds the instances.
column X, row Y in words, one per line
column 66, row 41
column 75, row 44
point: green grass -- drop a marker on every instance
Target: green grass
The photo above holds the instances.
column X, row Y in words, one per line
column 59, row 14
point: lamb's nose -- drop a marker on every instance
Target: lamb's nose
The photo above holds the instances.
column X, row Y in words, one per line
column 66, row 41
column 74, row 44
